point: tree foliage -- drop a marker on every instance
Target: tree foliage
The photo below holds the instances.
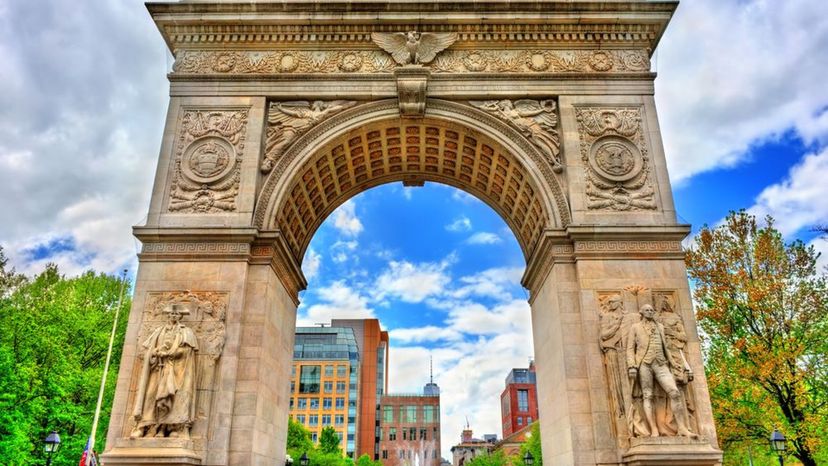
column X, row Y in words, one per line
column 329, row 441
column 533, row 445
column 763, row 308
column 497, row 458
column 54, row 334
column 327, row 453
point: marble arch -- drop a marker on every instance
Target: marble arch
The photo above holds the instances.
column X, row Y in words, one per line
column 281, row 110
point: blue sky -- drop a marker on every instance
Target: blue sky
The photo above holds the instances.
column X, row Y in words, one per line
column 743, row 109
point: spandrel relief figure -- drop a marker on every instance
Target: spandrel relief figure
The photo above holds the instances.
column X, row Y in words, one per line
column 676, row 336
column 165, row 399
column 650, row 367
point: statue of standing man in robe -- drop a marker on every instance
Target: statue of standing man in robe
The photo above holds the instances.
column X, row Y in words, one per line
column 165, row 400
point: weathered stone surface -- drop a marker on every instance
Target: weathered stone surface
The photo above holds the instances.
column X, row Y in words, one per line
column 280, row 111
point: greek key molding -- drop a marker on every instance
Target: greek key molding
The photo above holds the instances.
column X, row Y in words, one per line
column 212, row 62
column 642, row 246
column 187, row 249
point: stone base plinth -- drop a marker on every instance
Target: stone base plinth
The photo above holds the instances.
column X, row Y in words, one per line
column 680, row 451
column 151, row 452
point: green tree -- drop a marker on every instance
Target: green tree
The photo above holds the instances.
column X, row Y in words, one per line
column 763, row 307
column 298, row 440
column 533, row 445
column 490, row 459
column 329, row 441
column 54, row 333
column 366, row 460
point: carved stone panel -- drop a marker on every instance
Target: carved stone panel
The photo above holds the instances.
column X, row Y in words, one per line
column 377, row 61
column 286, row 121
column 615, row 158
column 202, row 314
column 622, row 317
column 537, row 120
column 207, row 163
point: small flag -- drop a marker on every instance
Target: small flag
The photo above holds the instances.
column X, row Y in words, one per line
column 88, row 458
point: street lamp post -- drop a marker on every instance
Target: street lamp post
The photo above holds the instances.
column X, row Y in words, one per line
column 778, row 444
column 528, row 459
column 50, row 445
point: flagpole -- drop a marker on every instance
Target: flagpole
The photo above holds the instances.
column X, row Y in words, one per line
column 106, row 370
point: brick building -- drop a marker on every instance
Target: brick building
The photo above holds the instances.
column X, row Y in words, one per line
column 470, row 447
column 324, row 386
column 372, row 342
column 519, row 400
column 410, row 428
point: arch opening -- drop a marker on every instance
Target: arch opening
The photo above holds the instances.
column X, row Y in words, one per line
column 389, row 149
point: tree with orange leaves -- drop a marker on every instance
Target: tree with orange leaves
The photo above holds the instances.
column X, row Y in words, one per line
column 763, row 308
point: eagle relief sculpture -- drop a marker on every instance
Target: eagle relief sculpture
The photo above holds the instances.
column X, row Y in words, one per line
column 412, row 47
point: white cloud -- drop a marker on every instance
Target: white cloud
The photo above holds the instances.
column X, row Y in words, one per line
column 429, row 333
column 461, row 223
column 345, row 219
column 337, row 301
column 411, row 282
column 821, row 246
column 80, row 125
column 798, row 201
column 483, row 237
column 311, row 264
column 735, row 73
column 494, row 283
column 340, row 249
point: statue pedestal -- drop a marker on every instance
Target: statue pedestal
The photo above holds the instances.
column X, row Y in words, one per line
column 681, row 451
column 151, row 452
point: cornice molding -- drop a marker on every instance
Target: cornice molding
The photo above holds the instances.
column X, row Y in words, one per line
column 296, row 24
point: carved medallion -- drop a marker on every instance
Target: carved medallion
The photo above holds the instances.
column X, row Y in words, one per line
column 615, row 159
column 208, row 161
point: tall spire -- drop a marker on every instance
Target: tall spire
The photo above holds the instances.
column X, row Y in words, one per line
column 430, row 368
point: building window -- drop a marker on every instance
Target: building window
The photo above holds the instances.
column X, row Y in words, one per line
column 402, row 454
column 309, row 379
column 300, row 418
column 340, row 387
column 434, row 454
column 329, row 371
column 528, row 419
column 340, row 371
column 327, row 403
column 314, row 403
column 423, row 434
column 523, row 400
column 303, row 403
column 428, row 414
column 313, row 420
column 339, row 419
column 314, row 437
column 291, row 402
column 410, row 414
column 328, row 387
column 412, row 433
column 387, row 414
column 326, row 419
column 520, row 420
column 392, row 433
column 385, row 454
column 292, row 386
column 340, row 403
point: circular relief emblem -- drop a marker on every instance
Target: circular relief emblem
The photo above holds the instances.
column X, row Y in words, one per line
column 538, row 62
column 615, row 159
column 600, row 61
column 350, row 62
column 288, row 63
column 224, row 62
column 208, row 159
column 475, row 62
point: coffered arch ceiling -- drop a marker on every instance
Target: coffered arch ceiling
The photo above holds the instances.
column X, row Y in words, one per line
column 432, row 149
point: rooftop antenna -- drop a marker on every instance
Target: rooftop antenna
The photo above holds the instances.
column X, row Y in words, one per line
column 467, row 422
column 430, row 368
